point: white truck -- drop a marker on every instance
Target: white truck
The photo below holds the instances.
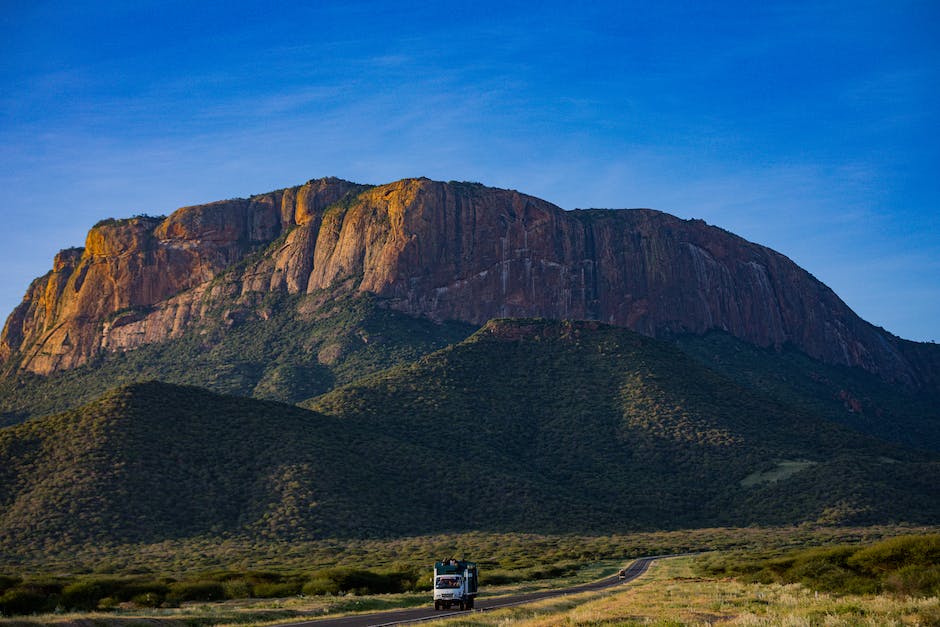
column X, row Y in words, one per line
column 455, row 584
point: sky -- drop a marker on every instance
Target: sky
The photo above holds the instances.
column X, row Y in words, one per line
column 809, row 127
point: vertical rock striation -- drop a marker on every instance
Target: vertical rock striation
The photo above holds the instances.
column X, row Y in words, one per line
column 457, row 251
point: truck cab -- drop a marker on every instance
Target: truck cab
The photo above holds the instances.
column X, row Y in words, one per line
column 455, row 584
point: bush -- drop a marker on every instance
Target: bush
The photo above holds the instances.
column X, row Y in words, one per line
column 497, row 578
column 907, row 565
column 82, row 595
column 914, row 581
column 140, row 589
column 896, row 553
column 147, row 599
column 183, row 591
column 275, row 590
column 108, row 603
column 7, row 582
column 319, row 586
column 105, row 593
column 26, row 601
column 237, row 589
column 356, row 581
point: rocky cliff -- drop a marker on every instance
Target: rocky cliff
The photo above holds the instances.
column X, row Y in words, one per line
column 441, row 250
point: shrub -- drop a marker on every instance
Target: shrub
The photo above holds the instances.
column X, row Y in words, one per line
column 497, row 578
column 108, row 603
column 7, row 582
column 147, row 599
column 275, row 590
column 183, row 591
column 356, row 581
column 914, row 580
column 906, row 565
column 897, row 553
column 237, row 589
column 152, row 589
column 82, row 595
column 319, row 586
column 26, row 601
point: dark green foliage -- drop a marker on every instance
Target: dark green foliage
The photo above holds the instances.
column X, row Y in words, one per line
column 275, row 590
column 155, row 461
column 848, row 396
column 897, row 553
column 31, row 597
column 83, row 595
column 88, row 593
column 7, row 582
column 285, row 348
column 587, row 426
column 25, row 601
column 183, row 591
column 362, row 581
column 509, row 559
column 914, row 580
column 148, row 599
column 907, row 565
column 145, row 217
column 534, row 425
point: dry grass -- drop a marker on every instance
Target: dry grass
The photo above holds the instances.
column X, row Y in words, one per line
column 671, row 595
column 668, row 595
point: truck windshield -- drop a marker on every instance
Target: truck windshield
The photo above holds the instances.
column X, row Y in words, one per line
column 447, row 582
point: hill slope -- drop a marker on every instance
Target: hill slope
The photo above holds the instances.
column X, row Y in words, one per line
column 286, row 348
column 646, row 435
column 526, row 425
column 153, row 461
column 849, row 396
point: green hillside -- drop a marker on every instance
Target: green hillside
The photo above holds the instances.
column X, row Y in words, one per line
column 849, row 396
column 154, row 461
column 639, row 432
column 285, row 348
column 525, row 426
column 292, row 348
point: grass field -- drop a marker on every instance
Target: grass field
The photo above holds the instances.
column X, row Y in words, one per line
column 744, row 579
column 296, row 608
column 671, row 594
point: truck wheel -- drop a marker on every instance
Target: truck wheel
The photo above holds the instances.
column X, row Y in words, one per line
column 437, row 605
column 470, row 604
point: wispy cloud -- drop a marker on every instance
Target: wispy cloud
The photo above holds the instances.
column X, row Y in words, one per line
column 786, row 123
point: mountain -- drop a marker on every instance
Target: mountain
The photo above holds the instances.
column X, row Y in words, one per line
column 852, row 397
column 340, row 360
column 645, row 434
column 442, row 251
column 291, row 348
column 526, row 425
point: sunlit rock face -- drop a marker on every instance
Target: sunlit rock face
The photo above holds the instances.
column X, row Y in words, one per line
column 456, row 251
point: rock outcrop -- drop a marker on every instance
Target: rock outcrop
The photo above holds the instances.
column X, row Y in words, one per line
column 442, row 250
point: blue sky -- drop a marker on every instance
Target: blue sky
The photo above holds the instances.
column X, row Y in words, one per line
column 810, row 127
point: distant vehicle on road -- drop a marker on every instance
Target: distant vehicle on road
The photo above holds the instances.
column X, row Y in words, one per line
column 455, row 584
column 622, row 574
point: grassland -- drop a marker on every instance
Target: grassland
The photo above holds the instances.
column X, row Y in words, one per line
column 673, row 594
column 295, row 585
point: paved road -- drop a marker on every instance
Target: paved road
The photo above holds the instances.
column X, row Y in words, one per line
column 482, row 604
